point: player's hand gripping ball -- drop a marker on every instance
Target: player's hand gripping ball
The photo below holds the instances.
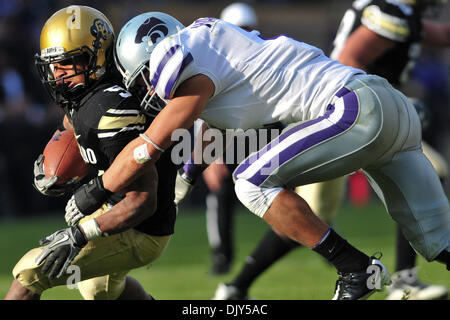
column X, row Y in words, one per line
column 60, row 168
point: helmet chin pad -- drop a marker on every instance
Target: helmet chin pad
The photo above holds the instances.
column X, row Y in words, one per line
column 72, row 93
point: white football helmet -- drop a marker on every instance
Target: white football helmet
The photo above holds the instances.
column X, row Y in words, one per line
column 135, row 43
column 240, row 14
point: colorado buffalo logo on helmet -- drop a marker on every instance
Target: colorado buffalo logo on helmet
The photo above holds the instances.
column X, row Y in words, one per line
column 100, row 28
column 152, row 28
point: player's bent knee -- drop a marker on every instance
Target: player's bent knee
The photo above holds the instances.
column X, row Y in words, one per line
column 255, row 198
column 27, row 272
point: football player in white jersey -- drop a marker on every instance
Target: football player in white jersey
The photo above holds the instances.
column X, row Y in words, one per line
column 324, row 198
column 393, row 29
column 339, row 120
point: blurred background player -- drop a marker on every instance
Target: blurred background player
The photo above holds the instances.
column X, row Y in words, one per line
column 221, row 200
column 389, row 55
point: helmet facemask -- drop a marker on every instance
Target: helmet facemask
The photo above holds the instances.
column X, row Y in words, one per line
column 83, row 61
column 140, row 86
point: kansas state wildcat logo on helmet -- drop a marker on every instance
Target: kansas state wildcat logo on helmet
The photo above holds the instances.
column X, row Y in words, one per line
column 152, row 28
column 133, row 49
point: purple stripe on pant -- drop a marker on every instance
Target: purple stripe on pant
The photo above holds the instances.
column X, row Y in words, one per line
column 349, row 116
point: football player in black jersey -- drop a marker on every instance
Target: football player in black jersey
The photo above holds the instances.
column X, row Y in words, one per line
column 384, row 38
column 76, row 66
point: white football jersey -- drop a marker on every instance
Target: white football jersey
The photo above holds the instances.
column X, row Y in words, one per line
column 257, row 81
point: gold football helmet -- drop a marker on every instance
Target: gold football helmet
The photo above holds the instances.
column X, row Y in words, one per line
column 80, row 36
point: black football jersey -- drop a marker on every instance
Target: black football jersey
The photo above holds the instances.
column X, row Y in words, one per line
column 393, row 20
column 104, row 122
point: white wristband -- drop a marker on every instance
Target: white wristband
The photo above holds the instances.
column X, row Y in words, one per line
column 91, row 229
column 147, row 139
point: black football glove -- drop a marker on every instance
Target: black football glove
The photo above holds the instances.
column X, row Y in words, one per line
column 61, row 248
column 87, row 199
column 48, row 186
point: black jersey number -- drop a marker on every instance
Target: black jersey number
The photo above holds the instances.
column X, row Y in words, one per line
column 88, row 155
column 121, row 91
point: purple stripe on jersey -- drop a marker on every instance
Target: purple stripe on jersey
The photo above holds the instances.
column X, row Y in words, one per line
column 174, row 77
column 169, row 54
column 349, row 116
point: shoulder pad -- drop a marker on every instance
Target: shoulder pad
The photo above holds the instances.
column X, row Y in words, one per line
column 394, row 27
column 167, row 62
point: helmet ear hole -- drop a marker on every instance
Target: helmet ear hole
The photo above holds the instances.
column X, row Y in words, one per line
column 96, row 44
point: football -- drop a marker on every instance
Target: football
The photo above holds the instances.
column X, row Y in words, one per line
column 62, row 158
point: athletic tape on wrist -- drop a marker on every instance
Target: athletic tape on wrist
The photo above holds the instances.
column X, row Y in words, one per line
column 91, row 229
column 141, row 154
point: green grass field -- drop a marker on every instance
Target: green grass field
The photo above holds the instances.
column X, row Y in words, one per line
column 182, row 272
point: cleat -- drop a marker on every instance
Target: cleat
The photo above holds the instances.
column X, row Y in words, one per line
column 361, row 285
column 229, row 292
column 406, row 286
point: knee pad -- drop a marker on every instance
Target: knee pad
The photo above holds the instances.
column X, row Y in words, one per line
column 257, row 199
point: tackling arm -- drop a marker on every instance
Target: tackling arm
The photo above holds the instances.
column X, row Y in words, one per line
column 181, row 112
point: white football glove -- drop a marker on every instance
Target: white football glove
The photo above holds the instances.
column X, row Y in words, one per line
column 183, row 186
column 48, row 186
column 73, row 214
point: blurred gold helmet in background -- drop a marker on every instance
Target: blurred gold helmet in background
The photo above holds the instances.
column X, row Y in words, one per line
column 76, row 35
